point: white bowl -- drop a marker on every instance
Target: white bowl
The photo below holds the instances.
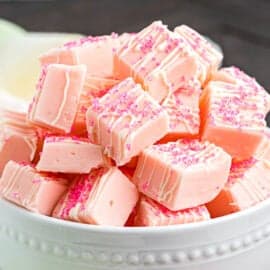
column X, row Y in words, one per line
column 32, row 242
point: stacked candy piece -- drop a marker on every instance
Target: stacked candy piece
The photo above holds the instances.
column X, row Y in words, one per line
column 138, row 129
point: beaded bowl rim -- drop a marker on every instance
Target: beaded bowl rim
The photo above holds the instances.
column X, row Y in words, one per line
column 136, row 230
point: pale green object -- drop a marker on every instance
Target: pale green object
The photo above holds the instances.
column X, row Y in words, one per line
column 19, row 65
column 9, row 29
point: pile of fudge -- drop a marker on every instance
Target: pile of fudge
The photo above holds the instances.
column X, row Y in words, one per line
column 137, row 129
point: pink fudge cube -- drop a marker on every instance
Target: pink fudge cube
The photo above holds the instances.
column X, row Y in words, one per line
column 182, row 107
column 236, row 76
column 209, row 57
column 57, row 97
column 90, row 51
column 17, row 144
column 248, row 184
column 157, row 58
column 232, row 117
column 22, row 184
column 182, row 174
column 150, row 213
column 104, row 197
column 70, row 155
column 125, row 121
column 18, row 140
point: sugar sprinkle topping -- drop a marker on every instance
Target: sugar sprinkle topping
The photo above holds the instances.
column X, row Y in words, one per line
column 236, row 105
column 79, row 191
column 127, row 100
column 185, row 152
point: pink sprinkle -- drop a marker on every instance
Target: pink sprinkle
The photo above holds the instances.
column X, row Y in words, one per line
column 23, row 163
column 145, row 186
column 84, row 109
column 91, row 123
column 42, row 77
column 16, row 195
column 128, row 146
column 36, row 181
column 183, row 78
column 80, row 190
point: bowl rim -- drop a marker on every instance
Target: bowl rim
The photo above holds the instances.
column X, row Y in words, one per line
column 50, row 221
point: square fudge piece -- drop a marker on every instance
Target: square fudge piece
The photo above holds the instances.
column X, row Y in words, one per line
column 22, row 184
column 17, row 144
column 151, row 213
column 104, row 197
column 182, row 107
column 232, row 117
column 55, row 103
column 18, row 139
column 125, row 121
column 248, row 184
column 182, row 174
column 157, row 58
column 90, row 51
column 209, row 57
column 236, row 76
column 69, row 155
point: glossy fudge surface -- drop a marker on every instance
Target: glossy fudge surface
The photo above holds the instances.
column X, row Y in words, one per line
column 94, row 52
column 125, row 121
column 104, row 197
column 235, row 75
column 22, row 184
column 208, row 56
column 248, row 184
column 233, row 117
column 182, row 174
column 70, row 155
column 17, row 144
column 150, row 213
column 18, row 139
column 158, row 59
column 56, row 101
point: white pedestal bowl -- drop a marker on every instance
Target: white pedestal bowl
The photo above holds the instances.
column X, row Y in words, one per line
column 32, row 242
